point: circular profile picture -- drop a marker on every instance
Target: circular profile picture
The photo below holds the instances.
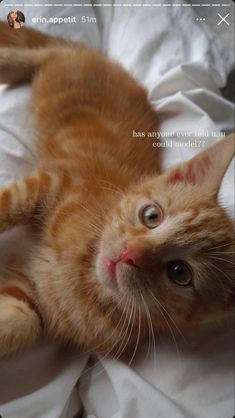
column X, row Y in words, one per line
column 16, row 19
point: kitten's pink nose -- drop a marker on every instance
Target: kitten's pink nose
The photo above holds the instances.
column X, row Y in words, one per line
column 129, row 256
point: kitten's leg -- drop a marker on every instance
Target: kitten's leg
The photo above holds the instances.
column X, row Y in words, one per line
column 20, row 322
column 26, row 37
column 17, row 61
column 18, row 65
column 20, row 200
column 22, row 53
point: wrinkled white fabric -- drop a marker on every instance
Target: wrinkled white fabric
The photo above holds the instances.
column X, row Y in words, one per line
column 183, row 75
column 189, row 377
column 42, row 381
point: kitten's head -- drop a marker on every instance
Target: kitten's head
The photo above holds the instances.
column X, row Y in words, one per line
column 161, row 252
column 169, row 245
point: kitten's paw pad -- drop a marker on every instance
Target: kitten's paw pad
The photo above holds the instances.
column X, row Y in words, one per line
column 19, row 325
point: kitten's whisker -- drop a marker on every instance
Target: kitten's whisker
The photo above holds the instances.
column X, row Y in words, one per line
column 221, row 246
column 169, row 316
column 120, row 334
column 112, row 190
column 116, row 306
column 113, row 186
column 131, row 322
column 117, row 325
column 112, row 333
column 220, row 283
column 76, row 199
column 122, row 348
column 151, row 328
column 111, row 349
column 94, row 227
column 149, row 331
column 138, row 338
column 88, row 211
column 123, row 345
column 154, row 338
column 222, row 259
column 222, row 252
column 125, row 308
column 159, row 305
column 65, row 213
column 221, row 271
column 94, row 200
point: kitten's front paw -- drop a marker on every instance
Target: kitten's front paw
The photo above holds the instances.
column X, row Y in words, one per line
column 19, row 325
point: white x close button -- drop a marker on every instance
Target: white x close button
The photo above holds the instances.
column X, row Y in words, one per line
column 223, row 19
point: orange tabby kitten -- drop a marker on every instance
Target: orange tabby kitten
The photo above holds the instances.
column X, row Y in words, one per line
column 116, row 249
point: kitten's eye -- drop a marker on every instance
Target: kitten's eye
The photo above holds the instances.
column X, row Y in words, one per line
column 179, row 273
column 151, row 216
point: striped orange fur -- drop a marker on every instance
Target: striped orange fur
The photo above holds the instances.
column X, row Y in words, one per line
column 117, row 249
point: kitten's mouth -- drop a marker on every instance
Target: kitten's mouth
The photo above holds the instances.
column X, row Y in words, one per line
column 111, row 265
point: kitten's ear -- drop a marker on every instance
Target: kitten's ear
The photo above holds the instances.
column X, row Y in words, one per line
column 19, row 201
column 206, row 169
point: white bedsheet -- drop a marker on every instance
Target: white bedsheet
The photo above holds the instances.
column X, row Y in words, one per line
column 183, row 66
